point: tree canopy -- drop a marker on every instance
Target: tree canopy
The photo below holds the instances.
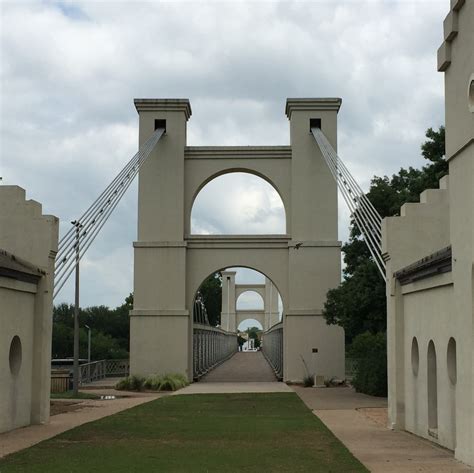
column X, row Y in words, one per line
column 211, row 292
column 359, row 303
column 110, row 331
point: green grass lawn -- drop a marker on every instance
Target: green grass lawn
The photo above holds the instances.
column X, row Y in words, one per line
column 224, row 433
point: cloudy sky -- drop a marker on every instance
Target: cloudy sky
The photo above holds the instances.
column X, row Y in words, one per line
column 70, row 71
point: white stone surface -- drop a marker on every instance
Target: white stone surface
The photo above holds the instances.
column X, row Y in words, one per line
column 171, row 264
column 438, row 312
column 26, row 310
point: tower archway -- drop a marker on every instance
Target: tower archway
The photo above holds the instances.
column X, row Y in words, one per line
column 171, row 262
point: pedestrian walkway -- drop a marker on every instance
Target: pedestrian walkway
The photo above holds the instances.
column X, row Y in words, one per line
column 243, row 367
column 360, row 422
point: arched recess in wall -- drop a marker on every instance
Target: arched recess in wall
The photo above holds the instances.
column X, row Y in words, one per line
column 238, row 203
column 452, row 361
column 432, row 387
column 415, row 356
column 250, row 300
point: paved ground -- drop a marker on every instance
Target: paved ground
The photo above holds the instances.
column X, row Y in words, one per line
column 243, row 367
column 360, row 421
column 106, row 383
column 87, row 410
column 229, row 388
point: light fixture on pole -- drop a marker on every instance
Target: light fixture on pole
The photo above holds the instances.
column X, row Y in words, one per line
column 75, row 386
column 88, row 353
column 88, row 343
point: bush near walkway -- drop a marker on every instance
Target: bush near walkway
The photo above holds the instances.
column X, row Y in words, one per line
column 218, row 433
column 370, row 351
column 155, row 382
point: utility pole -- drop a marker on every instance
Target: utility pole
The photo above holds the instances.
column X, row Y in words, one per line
column 76, row 314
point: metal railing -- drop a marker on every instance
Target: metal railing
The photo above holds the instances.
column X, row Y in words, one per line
column 351, row 368
column 101, row 369
column 211, row 346
column 272, row 348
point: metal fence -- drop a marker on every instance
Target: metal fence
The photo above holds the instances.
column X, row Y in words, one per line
column 351, row 368
column 211, row 346
column 101, row 369
column 272, row 348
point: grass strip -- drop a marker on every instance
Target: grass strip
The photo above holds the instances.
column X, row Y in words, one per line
column 195, row 433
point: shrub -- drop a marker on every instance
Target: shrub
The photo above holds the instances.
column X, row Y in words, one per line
column 308, row 381
column 154, row 382
column 131, row 383
column 173, row 382
column 167, row 382
column 370, row 351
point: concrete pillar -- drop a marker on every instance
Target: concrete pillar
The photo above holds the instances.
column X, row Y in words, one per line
column 314, row 253
column 228, row 313
column 272, row 316
column 161, row 324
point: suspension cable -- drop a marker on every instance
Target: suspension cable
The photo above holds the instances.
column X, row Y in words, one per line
column 95, row 217
column 366, row 217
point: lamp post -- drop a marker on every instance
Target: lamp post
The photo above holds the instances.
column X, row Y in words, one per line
column 75, row 386
column 88, row 352
column 88, row 343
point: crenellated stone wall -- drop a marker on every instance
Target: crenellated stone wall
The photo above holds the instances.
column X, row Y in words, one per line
column 429, row 251
column 28, row 245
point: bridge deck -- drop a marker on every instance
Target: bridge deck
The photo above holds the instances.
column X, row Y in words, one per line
column 243, row 367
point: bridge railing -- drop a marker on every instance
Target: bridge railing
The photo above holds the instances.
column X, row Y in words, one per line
column 272, row 348
column 211, row 346
column 101, row 369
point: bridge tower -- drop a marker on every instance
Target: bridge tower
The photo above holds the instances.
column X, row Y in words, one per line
column 171, row 263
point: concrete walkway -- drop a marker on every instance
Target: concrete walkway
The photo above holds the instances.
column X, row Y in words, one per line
column 232, row 388
column 243, row 367
column 360, row 421
column 245, row 372
column 88, row 411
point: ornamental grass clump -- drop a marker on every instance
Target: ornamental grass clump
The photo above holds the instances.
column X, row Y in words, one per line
column 308, row 381
column 131, row 383
column 173, row 382
column 154, row 382
column 166, row 382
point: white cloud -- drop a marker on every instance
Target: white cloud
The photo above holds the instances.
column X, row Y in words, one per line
column 238, row 203
column 69, row 72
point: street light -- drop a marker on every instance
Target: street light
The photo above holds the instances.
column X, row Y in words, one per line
column 75, row 386
column 88, row 352
column 88, row 343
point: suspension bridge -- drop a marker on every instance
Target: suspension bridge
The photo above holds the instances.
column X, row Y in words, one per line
column 162, row 138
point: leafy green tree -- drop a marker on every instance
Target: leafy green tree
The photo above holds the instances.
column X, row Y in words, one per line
column 109, row 329
column 359, row 303
column 211, row 292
